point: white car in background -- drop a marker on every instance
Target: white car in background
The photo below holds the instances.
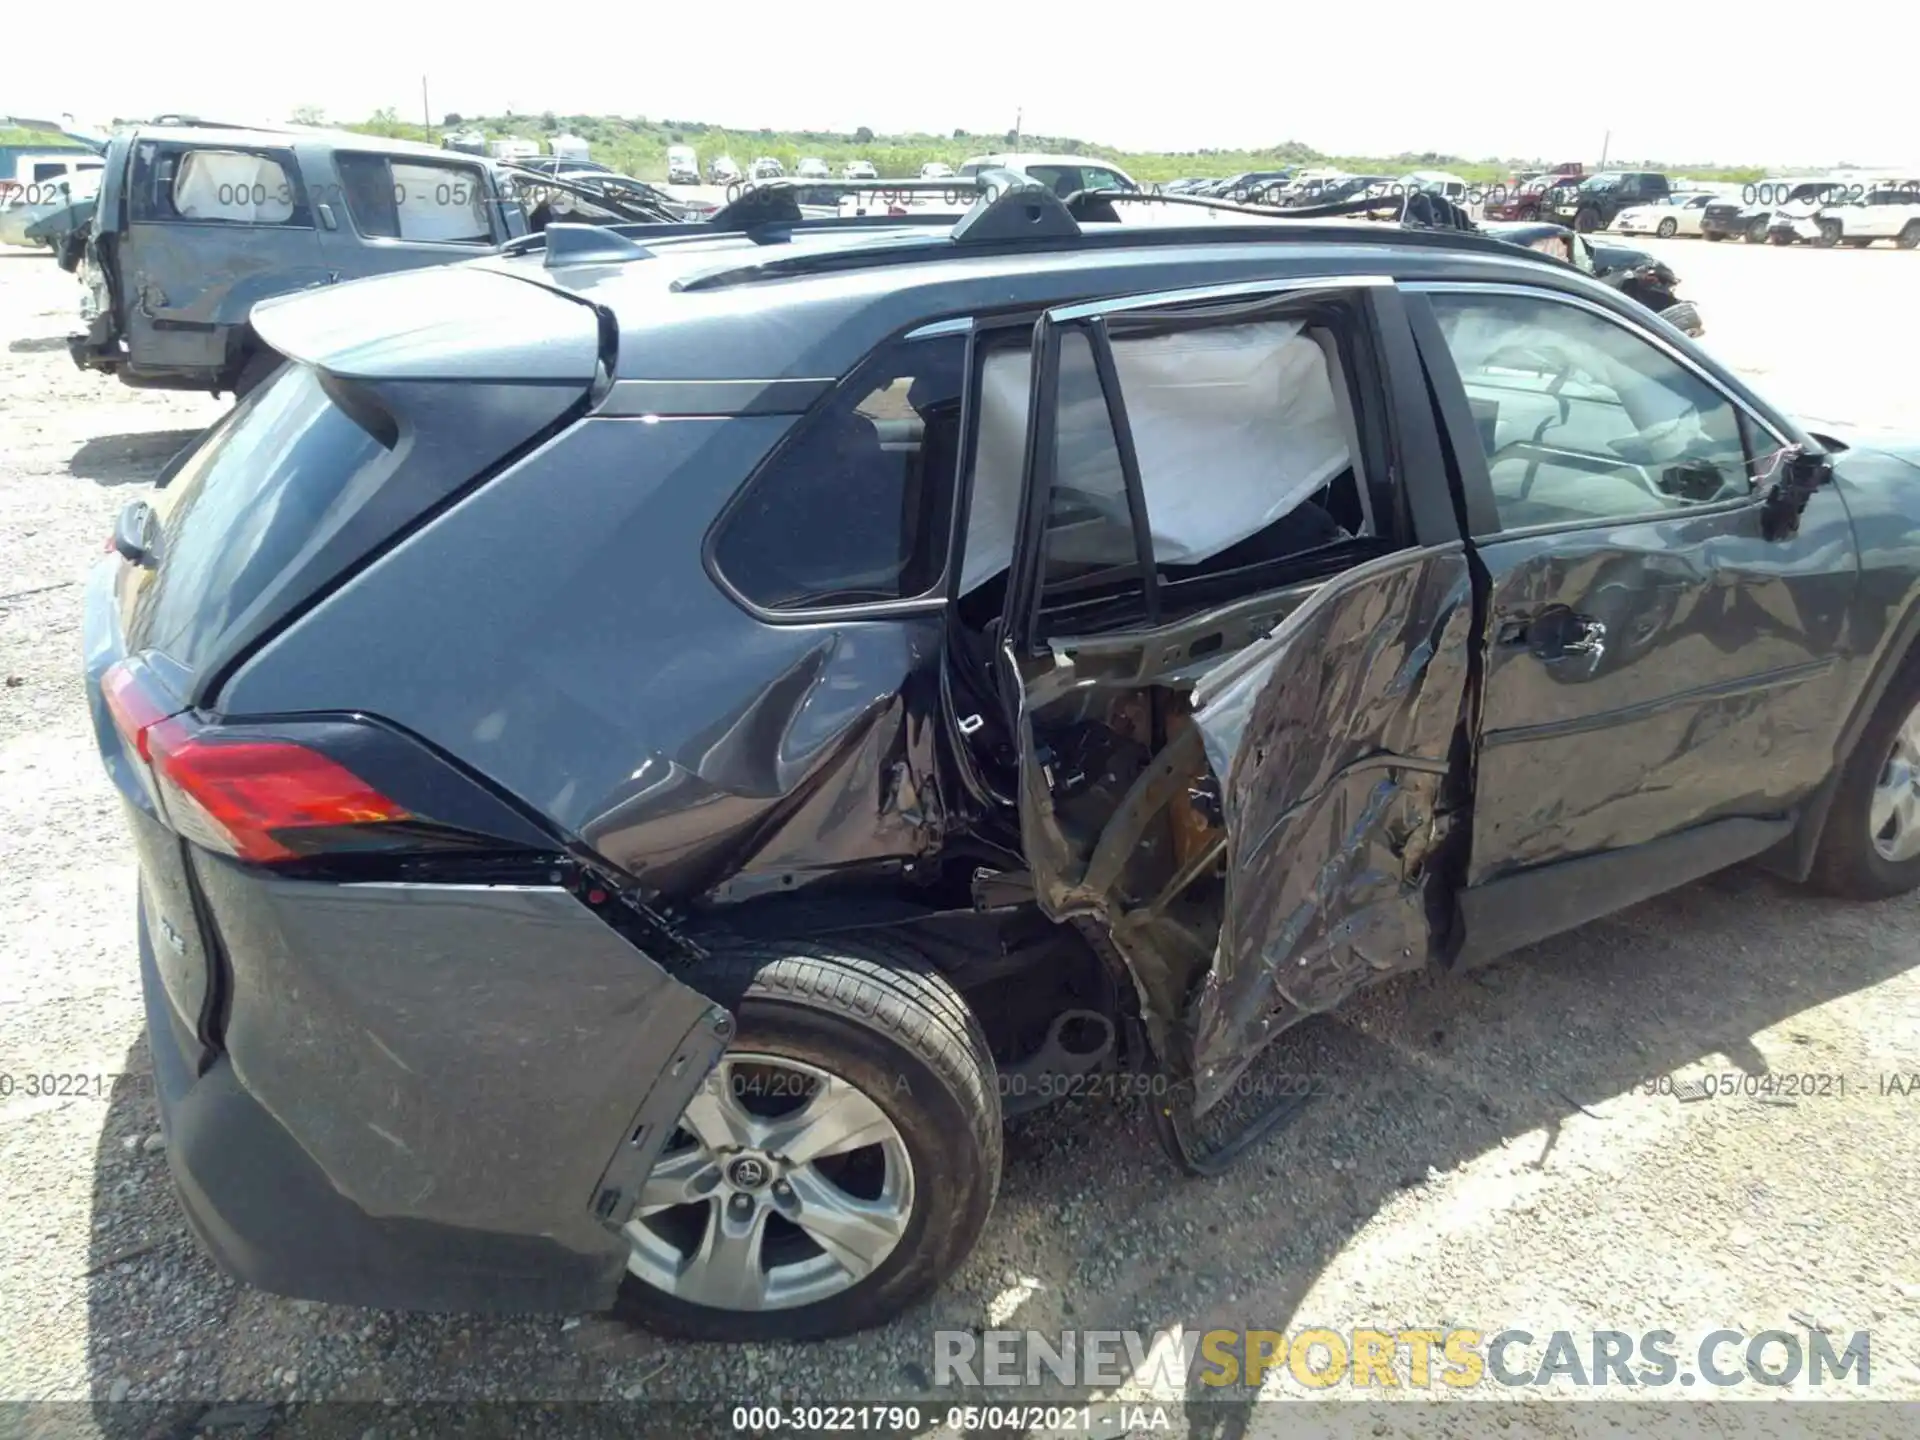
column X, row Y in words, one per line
column 1676, row 215
column 936, row 170
column 859, row 170
column 23, row 206
column 1063, row 174
column 1888, row 211
column 813, row 169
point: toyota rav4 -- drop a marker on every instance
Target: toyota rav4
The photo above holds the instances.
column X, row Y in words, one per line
column 643, row 752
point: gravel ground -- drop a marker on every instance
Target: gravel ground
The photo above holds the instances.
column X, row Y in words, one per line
column 1488, row 1154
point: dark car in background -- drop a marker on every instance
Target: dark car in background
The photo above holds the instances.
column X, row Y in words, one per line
column 1735, row 219
column 643, row 750
column 1593, row 203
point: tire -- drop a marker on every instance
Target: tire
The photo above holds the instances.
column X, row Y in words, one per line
column 258, row 368
column 1757, row 233
column 1849, row 862
column 1909, row 236
column 1830, row 234
column 1587, row 221
column 1666, row 228
column 877, row 1018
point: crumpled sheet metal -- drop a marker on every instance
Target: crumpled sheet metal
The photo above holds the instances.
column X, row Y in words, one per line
column 1335, row 735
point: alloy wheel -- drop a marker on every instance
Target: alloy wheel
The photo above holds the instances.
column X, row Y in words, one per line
column 784, row 1185
column 1893, row 813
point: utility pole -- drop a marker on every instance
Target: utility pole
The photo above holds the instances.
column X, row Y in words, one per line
column 1018, row 115
column 1605, row 145
column 426, row 111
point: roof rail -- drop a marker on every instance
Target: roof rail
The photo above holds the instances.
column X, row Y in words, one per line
column 1305, row 231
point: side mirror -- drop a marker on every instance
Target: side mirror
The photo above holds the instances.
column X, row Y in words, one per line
column 1798, row 473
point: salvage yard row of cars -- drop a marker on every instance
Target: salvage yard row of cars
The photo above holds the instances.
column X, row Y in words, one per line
column 1073, row 648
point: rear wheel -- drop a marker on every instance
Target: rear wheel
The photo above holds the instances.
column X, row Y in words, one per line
column 1666, row 228
column 1909, row 235
column 839, row 1163
column 1870, row 848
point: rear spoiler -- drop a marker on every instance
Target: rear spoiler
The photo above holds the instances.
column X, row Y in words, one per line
column 458, row 322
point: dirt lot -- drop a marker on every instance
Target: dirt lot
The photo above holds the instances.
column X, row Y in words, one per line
column 1489, row 1154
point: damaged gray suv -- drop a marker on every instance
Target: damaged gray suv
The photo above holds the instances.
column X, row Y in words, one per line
column 644, row 752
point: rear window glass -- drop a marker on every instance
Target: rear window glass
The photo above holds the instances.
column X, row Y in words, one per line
column 239, row 512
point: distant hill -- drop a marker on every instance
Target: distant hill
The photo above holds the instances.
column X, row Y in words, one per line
column 638, row 147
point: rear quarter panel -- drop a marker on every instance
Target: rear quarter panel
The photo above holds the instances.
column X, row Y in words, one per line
column 557, row 632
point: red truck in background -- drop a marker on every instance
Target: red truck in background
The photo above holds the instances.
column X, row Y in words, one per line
column 1528, row 195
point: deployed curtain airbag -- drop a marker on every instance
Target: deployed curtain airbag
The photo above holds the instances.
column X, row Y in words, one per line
column 1234, row 428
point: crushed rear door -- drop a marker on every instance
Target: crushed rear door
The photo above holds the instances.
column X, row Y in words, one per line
column 1339, row 742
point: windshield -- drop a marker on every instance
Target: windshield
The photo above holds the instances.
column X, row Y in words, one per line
column 1606, row 181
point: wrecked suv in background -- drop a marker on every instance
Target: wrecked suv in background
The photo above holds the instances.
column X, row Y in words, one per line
column 642, row 753
column 195, row 224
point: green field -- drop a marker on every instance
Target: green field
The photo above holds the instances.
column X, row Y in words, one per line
column 639, row 148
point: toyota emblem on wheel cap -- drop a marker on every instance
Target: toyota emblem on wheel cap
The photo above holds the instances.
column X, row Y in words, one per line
column 748, row 1173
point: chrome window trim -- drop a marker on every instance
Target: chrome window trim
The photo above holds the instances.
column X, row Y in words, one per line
column 1581, row 302
column 1278, row 288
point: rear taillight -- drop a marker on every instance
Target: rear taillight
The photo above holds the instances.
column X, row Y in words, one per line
column 245, row 797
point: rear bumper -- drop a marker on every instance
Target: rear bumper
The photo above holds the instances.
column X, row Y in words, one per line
column 457, row 1164
column 269, row 1215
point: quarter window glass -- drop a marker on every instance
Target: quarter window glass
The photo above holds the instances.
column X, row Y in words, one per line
column 1581, row 419
column 232, row 185
column 414, row 200
column 856, row 507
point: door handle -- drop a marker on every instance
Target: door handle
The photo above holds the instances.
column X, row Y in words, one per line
column 1557, row 636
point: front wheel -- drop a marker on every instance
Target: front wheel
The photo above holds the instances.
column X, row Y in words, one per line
column 1587, row 221
column 1909, row 235
column 1757, row 234
column 1870, row 849
column 1829, row 234
column 838, row 1164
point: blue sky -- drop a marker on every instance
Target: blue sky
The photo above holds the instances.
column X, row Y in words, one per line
column 1682, row 81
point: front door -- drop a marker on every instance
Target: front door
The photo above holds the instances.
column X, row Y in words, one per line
column 210, row 229
column 1237, row 630
column 1655, row 663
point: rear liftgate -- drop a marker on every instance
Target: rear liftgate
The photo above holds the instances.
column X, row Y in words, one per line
column 1297, row 792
